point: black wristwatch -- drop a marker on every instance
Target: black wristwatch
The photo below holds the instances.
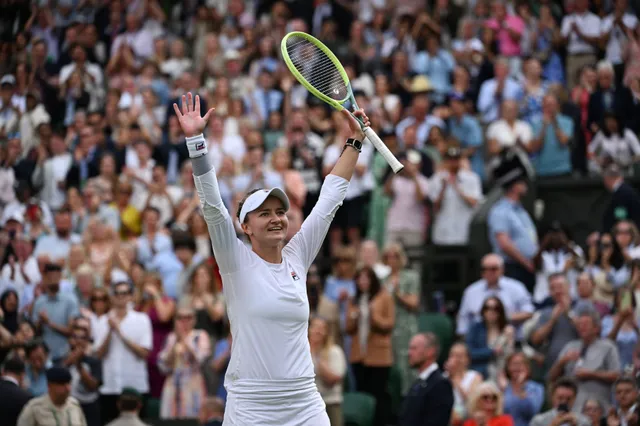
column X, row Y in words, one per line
column 353, row 143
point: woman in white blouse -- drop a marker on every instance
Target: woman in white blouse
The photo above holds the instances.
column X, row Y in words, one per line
column 613, row 144
column 330, row 365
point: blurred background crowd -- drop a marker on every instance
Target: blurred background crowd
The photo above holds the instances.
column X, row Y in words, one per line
column 106, row 263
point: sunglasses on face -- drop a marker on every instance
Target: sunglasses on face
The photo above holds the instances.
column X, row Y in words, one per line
column 492, row 398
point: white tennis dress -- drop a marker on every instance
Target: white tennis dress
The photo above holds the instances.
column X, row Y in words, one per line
column 270, row 377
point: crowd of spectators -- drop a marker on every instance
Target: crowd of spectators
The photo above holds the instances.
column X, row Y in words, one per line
column 108, row 287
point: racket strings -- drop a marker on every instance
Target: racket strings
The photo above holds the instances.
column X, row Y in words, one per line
column 317, row 68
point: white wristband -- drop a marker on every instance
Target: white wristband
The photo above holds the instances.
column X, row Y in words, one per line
column 197, row 146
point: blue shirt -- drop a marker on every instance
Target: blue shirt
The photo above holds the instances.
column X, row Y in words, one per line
column 438, row 68
column 468, row 132
column 168, row 266
column 60, row 308
column 512, row 219
column 37, row 384
column 221, row 347
column 554, row 158
column 523, row 409
column 489, row 104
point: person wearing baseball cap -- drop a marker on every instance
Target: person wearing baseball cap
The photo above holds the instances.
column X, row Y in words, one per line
column 57, row 406
column 129, row 404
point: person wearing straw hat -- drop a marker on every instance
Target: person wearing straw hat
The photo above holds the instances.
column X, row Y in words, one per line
column 270, row 379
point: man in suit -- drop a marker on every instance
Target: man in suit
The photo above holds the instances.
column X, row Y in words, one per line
column 625, row 201
column 12, row 397
column 429, row 402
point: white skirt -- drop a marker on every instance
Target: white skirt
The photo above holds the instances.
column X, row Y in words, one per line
column 275, row 403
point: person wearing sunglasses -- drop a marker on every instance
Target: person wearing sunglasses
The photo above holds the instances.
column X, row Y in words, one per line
column 123, row 343
column 486, row 407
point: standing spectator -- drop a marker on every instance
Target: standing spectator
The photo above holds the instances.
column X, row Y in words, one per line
column 496, row 90
column 123, row 344
column 463, row 379
column 330, row 366
column 129, row 406
column 491, row 340
column 523, row 397
column 555, row 326
column 181, row 359
column 57, row 245
column 466, row 129
column 404, row 284
column 622, row 327
column 592, row 360
column 614, row 32
column 486, row 407
column 513, row 295
column 13, row 397
column 207, row 302
column 625, row 201
column 437, row 64
column 581, row 33
column 513, row 234
column 563, row 400
column 455, row 192
column 86, row 374
column 54, row 311
column 370, row 322
column 553, row 134
column 57, row 403
column 36, row 354
column 50, row 173
column 508, row 29
column 407, row 214
column 430, row 400
column 608, row 98
column 508, row 133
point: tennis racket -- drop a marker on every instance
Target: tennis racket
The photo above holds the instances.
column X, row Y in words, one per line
column 322, row 74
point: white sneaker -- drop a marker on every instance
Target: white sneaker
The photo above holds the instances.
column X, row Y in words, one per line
column 197, row 146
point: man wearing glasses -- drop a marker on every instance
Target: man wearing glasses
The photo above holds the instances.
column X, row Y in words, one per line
column 123, row 343
column 513, row 294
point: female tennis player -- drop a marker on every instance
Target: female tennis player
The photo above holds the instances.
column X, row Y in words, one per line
column 270, row 377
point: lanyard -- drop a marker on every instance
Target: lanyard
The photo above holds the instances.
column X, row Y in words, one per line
column 55, row 416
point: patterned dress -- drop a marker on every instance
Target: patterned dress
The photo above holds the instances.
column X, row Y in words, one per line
column 184, row 389
column 406, row 326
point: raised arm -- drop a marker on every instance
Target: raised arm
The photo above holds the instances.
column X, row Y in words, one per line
column 229, row 251
column 307, row 242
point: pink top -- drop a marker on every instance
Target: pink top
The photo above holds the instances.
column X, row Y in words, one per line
column 507, row 46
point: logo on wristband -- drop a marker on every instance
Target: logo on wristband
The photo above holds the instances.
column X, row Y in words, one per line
column 199, row 146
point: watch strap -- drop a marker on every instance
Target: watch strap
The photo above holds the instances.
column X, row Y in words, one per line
column 354, row 143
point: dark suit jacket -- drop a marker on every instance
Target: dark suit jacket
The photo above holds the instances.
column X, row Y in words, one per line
column 12, row 400
column 625, row 204
column 428, row 402
column 161, row 153
column 622, row 106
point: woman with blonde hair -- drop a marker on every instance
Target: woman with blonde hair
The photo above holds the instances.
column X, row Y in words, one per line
column 101, row 242
column 404, row 285
column 160, row 308
column 181, row 359
column 330, row 367
column 206, row 301
column 485, row 407
column 463, row 379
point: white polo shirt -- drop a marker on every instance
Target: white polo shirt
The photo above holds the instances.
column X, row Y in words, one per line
column 618, row 37
column 589, row 25
column 121, row 368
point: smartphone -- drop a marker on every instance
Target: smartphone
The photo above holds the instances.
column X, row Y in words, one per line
column 563, row 408
column 626, row 300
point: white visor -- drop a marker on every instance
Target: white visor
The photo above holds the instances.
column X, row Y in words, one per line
column 256, row 199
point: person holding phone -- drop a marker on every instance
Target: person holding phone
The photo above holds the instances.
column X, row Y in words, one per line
column 563, row 397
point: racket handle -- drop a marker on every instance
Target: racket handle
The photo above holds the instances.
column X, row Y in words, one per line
column 391, row 159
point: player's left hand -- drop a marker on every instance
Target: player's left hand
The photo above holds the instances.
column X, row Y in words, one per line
column 354, row 125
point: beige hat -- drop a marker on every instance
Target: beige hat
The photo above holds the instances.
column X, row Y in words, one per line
column 420, row 83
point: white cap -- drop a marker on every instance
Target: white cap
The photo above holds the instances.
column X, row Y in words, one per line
column 16, row 216
column 256, row 199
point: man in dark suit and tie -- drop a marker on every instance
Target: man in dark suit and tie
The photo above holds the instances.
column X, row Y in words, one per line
column 625, row 201
column 12, row 397
column 429, row 402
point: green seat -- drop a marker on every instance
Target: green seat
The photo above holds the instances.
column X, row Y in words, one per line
column 152, row 409
column 395, row 387
column 358, row 409
column 440, row 325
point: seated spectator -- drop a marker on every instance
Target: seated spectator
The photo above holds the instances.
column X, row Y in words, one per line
column 622, row 326
column 593, row 411
column 607, row 266
column 181, row 359
column 513, row 295
column 523, row 397
column 552, row 136
column 592, row 360
column 37, row 360
column 615, row 144
column 370, row 323
column 330, row 366
column 455, row 193
column 534, row 90
column 129, row 406
column 491, row 340
column 555, row 326
column 463, row 379
column 627, row 236
column 212, row 412
column 466, row 129
column 486, row 407
column 565, row 410
column 340, row 286
column 370, row 256
column 608, row 99
column 586, row 296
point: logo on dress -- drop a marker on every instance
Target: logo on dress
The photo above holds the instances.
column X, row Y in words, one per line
column 294, row 276
column 199, row 146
